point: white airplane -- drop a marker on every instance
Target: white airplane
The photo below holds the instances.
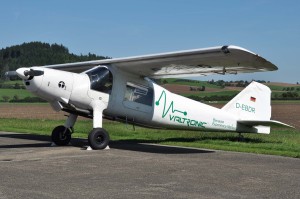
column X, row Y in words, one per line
column 121, row 89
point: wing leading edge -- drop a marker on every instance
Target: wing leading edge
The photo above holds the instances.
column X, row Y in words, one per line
column 197, row 62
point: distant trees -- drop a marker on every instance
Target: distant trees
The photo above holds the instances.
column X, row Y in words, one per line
column 223, row 84
column 38, row 54
column 193, row 88
column 290, row 95
column 286, row 96
column 5, row 98
column 16, row 98
column 291, row 89
column 212, row 98
column 17, row 86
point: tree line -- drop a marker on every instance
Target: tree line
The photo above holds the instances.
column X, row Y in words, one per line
column 39, row 54
column 238, row 83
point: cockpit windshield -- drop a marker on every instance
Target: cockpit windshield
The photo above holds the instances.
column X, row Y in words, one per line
column 101, row 79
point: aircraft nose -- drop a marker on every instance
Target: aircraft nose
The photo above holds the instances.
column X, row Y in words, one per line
column 21, row 73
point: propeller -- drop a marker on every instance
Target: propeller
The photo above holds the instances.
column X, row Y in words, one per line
column 23, row 73
column 33, row 73
column 28, row 74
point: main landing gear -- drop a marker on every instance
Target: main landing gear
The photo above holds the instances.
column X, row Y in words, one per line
column 98, row 137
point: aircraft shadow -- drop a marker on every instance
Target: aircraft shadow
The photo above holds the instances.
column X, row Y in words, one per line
column 44, row 139
column 26, row 136
column 131, row 145
column 147, row 147
column 221, row 138
column 134, row 145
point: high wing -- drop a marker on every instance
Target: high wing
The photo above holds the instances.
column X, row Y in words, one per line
column 198, row 62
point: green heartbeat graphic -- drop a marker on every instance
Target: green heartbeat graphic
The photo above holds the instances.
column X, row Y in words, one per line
column 171, row 106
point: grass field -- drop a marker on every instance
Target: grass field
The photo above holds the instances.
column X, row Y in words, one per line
column 12, row 92
column 276, row 88
column 284, row 142
column 12, row 82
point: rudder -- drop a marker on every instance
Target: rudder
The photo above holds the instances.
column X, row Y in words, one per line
column 252, row 103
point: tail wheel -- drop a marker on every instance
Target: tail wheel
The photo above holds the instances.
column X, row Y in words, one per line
column 98, row 138
column 61, row 135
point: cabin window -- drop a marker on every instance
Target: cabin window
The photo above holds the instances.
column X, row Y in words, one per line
column 139, row 94
column 101, row 79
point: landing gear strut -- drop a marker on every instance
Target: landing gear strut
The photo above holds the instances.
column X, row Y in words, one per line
column 98, row 137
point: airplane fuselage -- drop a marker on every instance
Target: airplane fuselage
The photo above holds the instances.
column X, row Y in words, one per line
column 131, row 99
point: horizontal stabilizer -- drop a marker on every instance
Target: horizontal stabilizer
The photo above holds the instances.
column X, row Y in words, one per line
column 263, row 123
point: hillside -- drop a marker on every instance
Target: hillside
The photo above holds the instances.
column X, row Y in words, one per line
column 37, row 54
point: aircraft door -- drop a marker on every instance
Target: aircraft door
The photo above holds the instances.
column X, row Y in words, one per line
column 101, row 84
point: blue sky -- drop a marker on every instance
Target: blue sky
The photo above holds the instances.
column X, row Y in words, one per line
column 114, row 28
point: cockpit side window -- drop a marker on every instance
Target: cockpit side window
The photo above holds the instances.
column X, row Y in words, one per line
column 101, row 79
column 139, row 93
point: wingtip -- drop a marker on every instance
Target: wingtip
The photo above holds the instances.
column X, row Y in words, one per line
column 271, row 66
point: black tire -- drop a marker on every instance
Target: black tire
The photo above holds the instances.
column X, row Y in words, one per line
column 98, row 138
column 61, row 136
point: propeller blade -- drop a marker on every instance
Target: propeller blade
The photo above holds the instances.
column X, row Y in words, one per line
column 33, row 73
column 28, row 74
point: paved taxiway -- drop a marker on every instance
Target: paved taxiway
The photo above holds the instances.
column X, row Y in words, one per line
column 29, row 168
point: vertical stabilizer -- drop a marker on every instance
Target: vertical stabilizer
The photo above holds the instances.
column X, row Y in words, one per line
column 252, row 103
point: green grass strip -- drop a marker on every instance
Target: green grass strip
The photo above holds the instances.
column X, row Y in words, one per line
column 283, row 142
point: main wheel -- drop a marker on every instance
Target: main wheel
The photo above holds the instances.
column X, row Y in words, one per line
column 61, row 135
column 98, row 138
